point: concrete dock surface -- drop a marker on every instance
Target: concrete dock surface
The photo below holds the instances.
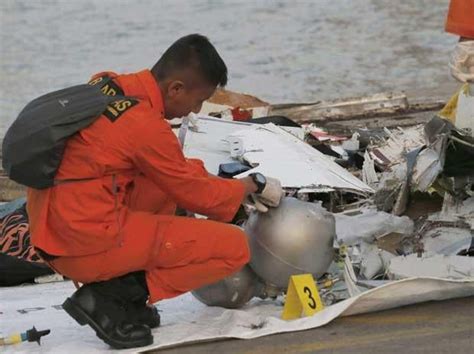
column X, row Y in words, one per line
column 434, row 327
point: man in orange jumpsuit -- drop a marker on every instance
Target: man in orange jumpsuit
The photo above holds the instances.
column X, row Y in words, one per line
column 109, row 220
column 460, row 21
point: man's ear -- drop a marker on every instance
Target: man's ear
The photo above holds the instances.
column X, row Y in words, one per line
column 175, row 88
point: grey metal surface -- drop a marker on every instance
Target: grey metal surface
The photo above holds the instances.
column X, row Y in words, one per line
column 231, row 292
column 295, row 238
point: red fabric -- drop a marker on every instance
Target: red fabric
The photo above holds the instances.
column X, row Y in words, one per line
column 241, row 115
column 460, row 18
column 88, row 217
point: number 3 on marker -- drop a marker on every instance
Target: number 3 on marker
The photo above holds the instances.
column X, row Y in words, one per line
column 312, row 302
column 302, row 297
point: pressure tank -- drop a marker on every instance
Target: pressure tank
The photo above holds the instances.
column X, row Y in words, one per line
column 295, row 238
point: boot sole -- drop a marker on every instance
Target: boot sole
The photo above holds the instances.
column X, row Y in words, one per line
column 83, row 319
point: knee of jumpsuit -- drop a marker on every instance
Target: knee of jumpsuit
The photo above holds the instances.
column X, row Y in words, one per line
column 241, row 256
column 165, row 283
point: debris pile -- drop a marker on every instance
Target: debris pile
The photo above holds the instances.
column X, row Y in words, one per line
column 419, row 221
column 402, row 196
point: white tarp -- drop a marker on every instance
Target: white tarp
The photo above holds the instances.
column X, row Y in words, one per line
column 185, row 320
column 273, row 151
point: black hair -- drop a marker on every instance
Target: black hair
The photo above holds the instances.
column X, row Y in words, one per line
column 196, row 51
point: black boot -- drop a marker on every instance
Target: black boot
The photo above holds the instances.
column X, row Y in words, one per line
column 100, row 305
column 137, row 309
column 144, row 314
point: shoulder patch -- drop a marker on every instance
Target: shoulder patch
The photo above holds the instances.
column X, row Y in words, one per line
column 108, row 87
column 119, row 107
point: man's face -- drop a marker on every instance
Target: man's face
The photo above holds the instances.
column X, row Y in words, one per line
column 185, row 96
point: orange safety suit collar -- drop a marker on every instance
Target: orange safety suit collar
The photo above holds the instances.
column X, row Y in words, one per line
column 152, row 89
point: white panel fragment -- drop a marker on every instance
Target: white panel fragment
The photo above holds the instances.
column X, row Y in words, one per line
column 272, row 150
column 439, row 266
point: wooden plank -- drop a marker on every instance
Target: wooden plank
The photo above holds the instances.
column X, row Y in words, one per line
column 378, row 105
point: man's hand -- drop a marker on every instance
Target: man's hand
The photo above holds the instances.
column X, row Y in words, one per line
column 272, row 193
column 270, row 196
column 462, row 61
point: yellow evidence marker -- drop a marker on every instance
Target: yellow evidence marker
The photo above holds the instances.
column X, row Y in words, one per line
column 302, row 297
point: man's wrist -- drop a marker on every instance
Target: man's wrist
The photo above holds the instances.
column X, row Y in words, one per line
column 260, row 181
column 250, row 186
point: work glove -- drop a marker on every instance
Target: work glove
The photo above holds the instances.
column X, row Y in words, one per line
column 462, row 61
column 269, row 197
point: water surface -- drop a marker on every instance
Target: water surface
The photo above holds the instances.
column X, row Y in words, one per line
column 281, row 51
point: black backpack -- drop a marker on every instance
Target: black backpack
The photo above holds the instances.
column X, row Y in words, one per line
column 34, row 144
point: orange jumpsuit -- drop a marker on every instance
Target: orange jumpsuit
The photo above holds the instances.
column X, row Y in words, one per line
column 116, row 215
column 460, row 18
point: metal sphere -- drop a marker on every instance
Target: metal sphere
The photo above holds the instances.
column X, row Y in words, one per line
column 231, row 292
column 295, row 238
